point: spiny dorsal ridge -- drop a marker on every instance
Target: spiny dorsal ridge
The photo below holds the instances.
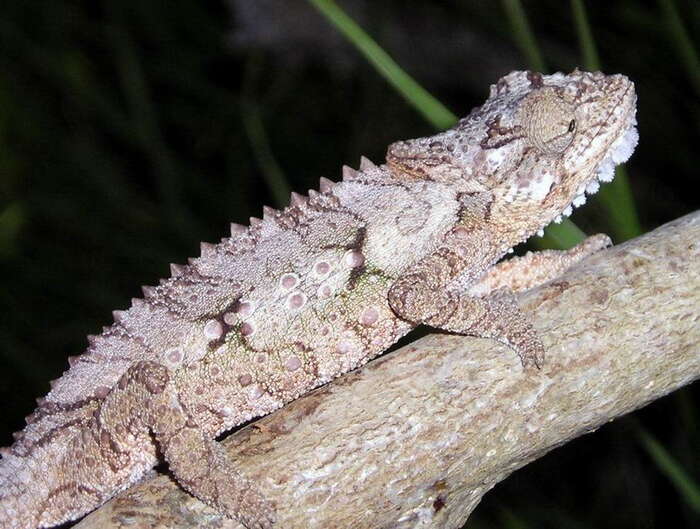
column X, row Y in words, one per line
column 269, row 213
column 297, row 200
column 237, row 229
column 118, row 315
column 366, row 164
column 255, row 222
column 325, row 185
column 176, row 270
column 349, row 173
column 138, row 303
column 206, row 249
column 148, row 291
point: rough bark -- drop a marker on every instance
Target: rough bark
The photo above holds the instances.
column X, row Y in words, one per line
column 417, row 437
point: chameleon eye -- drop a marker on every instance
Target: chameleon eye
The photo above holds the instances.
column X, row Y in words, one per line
column 548, row 121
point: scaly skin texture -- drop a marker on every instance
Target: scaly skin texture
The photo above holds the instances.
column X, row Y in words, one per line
column 313, row 291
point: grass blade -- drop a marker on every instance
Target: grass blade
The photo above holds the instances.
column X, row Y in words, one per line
column 272, row 173
column 145, row 122
column 686, row 486
column 591, row 61
column 254, row 126
column 435, row 112
column 523, row 35
column 510, row 520
column 12, row 220
column 681, row 40
column 564, row 235
column 619, row 205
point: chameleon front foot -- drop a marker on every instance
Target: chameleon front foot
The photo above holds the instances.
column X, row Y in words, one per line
column 508, row 325
column 495, row 316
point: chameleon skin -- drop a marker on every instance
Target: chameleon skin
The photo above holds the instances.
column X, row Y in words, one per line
column 313, row 291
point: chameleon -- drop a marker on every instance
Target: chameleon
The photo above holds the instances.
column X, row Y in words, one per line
column 319, row 288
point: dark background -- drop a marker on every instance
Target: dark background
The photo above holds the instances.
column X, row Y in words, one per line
column 132, row 130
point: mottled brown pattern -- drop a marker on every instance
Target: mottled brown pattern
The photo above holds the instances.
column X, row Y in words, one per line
column 313, row 291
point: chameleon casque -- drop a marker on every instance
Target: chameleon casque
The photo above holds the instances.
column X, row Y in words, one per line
column 315, row 290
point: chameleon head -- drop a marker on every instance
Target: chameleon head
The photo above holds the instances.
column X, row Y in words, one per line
column 538, row 144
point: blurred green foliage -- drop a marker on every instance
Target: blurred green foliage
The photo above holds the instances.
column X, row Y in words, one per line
column 130, row 131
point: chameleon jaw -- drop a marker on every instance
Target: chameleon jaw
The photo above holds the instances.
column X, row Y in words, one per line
column 618, row 153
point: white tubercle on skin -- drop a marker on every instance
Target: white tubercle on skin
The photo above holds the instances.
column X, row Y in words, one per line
column 623, row 148
column 606, row 170
column 620, row 151
column 593, row 187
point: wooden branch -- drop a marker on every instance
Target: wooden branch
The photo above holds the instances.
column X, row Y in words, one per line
column 417, row 437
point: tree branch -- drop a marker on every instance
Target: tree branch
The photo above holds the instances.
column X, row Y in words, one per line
column 418, row 436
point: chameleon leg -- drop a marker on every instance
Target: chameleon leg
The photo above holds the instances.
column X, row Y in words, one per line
column 146, row 398
column 534, row 268
column 488, row 309
column 422, row 295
